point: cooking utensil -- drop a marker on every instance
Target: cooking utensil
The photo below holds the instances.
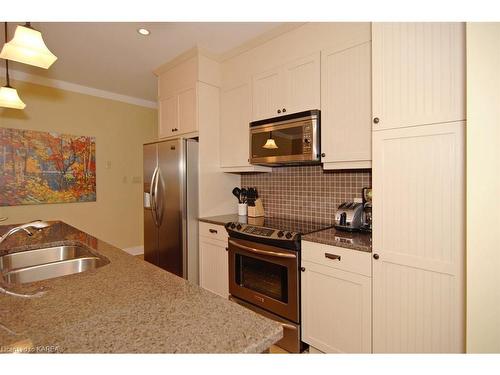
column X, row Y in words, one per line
column 237, row 193
column 243, row 195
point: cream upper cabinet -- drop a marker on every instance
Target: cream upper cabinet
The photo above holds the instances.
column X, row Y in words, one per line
column 290, row 88
column 346, row 124
column 419, row 239
column 418, row 73
column 187, row 111
column 177, row 114
column 336, row 299
column 168, row 116
column 267, row 94
column 302, row 84
column 234, row 135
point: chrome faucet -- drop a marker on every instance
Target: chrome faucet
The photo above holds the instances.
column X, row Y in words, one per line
column 37, row 224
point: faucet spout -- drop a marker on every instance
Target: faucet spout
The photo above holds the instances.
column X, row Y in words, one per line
column 37, row 224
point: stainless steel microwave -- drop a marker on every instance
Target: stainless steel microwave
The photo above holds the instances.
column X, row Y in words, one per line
column 289, row 139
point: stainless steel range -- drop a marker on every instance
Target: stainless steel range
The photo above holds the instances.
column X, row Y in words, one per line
column 264, row 270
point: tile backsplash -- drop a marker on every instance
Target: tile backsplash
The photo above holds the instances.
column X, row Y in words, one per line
column 307, row 192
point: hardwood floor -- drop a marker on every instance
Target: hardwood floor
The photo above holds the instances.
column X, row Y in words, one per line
column 140, row 256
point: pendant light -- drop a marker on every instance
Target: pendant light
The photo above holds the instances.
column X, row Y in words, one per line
column 270, row 143
column 27, row 47
column 8, row 95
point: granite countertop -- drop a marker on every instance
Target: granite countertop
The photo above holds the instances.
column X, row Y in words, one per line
column 126, row 306
column 223, row 219
column 361, row 241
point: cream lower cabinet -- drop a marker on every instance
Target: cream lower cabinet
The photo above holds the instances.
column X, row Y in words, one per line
column 213, row 258
column 419, row 239
column 336, row 299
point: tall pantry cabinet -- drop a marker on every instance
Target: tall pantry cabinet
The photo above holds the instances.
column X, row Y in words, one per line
column 418, row 187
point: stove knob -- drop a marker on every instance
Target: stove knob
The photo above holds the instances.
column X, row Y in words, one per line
column 233, row 226
column 280, row 234
column 288, row 235
column 238, row 227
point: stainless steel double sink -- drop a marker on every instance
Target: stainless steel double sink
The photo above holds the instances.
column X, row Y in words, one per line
column 47, row 263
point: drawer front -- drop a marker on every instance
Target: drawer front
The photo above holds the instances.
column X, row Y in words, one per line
column 337, row 257
column 217, row 232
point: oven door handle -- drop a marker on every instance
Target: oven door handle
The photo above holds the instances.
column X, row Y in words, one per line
column 263, row 252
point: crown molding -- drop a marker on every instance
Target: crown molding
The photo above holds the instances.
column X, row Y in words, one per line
column 68, row 86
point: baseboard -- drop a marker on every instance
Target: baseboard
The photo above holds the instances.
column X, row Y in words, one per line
column 134, row 250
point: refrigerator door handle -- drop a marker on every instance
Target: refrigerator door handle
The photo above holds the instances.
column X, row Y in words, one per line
column 158, row 209
column 152, row 193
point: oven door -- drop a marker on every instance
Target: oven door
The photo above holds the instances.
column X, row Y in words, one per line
column 288, row 143
column 266, row 276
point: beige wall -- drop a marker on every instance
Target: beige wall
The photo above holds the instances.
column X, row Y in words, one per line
column 483, row 187
column 120, row 130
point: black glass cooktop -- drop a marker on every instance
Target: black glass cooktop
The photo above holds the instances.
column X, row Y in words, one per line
column 290, row 225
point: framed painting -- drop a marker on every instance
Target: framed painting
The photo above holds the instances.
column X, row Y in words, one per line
column 46, row 167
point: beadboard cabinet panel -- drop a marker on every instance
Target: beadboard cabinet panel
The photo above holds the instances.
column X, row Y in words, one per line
column 336, row 309
column 302, row 84
column 419, row 236
column 267, row 94
column 418, row 73
column 346, row 115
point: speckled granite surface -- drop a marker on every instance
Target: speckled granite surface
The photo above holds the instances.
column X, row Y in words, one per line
column 126, row 306
column 361, row 241
column 223, row 219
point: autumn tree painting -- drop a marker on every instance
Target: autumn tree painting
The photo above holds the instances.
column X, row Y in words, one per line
column 46, row 167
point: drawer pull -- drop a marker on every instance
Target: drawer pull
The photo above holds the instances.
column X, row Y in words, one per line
column 212, row 231
column 332, row 256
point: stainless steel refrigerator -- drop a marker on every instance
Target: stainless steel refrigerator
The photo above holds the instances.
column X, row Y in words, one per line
column 171, row 206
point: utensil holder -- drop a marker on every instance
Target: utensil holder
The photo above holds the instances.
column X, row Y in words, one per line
column 242, row 209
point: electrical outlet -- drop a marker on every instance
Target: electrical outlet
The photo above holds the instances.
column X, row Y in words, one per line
column 136, row 179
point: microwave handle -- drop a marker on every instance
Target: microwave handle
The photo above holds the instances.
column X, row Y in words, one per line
column 263, row 252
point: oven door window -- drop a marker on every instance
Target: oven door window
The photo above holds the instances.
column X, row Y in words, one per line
column 266, row 278
column 281, row 142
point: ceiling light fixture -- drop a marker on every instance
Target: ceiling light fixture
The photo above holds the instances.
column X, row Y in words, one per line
column 8, row 95
column 27, row 47
column 143, row 31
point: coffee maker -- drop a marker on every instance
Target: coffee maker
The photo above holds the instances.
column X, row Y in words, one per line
column 366, row 217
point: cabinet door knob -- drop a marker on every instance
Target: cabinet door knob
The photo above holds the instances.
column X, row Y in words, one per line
column 279, row 111
column 323, row 155
column 376, row 120
column 376, row 256
column 212, row 231
column 284, row 110
column 303, row 269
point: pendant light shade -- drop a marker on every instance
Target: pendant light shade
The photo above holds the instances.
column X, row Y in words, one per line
column 27, row 47
column 270, row 144
column 10, row 99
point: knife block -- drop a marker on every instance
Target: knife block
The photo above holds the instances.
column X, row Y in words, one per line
column 257, row 210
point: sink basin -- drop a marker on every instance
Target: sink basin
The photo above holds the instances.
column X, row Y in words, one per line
column 47, row 263
column 41, row 256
